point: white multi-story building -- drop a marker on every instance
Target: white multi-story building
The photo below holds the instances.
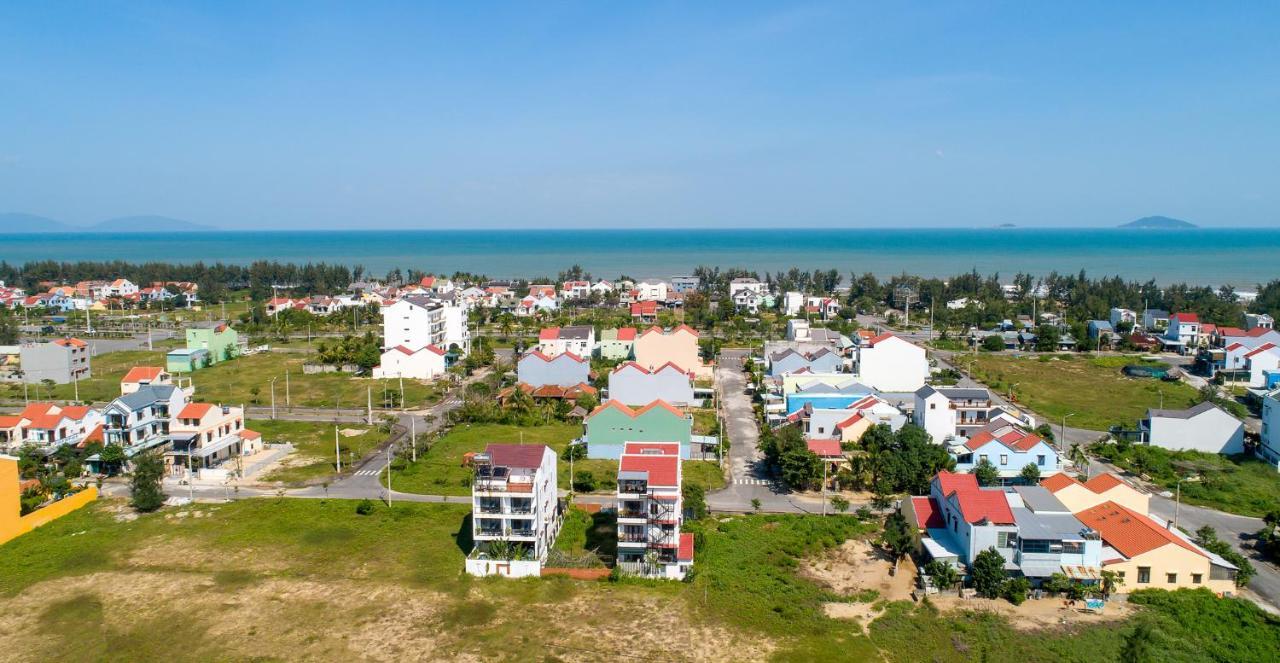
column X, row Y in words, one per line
column 889, row 363
column 746, row 283
column 651, row 510
column 651, row 291
column 515, row 510
column 417, row 321
column 1269, row 448
column 204, row 436
column 579, row 340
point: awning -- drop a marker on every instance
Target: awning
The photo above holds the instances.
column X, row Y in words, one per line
column 210, row 449
column 138, row 448
column 937, row 550
column 1039, row 569
column 1082, row 572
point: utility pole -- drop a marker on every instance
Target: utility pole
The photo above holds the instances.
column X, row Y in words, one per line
column 1063, row 442
column 403, row 405
column 413, row 438
column 88, row 319
column 1177, row 504
column 286, row 388
column 75, row 378
column 369, row 405
column 390, row 447
column 149, row 346
column 337, row 449
column 273, row 397
column 824, row 487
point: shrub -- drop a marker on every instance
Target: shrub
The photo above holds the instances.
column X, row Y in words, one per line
column 365, row 507
column 1015, row 590
column 584, row 481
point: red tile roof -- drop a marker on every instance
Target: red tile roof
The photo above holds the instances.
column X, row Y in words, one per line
column 928, row 515
column 1128, row 531
column 195, row 410
column 1260, row 349
column 1103, row 482
column 1230, row 331
column 1259, row 331
column 976, row 504
column 1018, row 440
column 1184, row 317
column 663, row 469
column 626, row 333
column 825, row 448
column 247, row 434
column 857, row 416
column 140, row 373
column 549, row 334
column 644, row 308
column 520, row 456
column 882, row 337
column 642, row 369
column 672, row 448
column 71, row 342
column 544, row 357
column 9, row 421
column 685, row 552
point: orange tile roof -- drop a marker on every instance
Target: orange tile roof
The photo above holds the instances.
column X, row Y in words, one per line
column 626, row 333
column 1018, row 440
column 195, row 410
column 9, row 421
column 633, row 413
column 1129, row 532
column 1103, row 482
column 663, row 469
column 975, row 503
column 71, row 342
column 247, row 434
column 826, row 448
column 1056, row 482
column 140, row 373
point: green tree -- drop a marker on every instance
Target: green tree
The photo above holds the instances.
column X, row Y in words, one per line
column 986, row 473
column 145, row 482
column 944, row 574
column 988, row 573
column 1030, row 474
column 112, row 457
column 993, row 343
column 1139, row 646
column 1015, row 590
column 801, row 468
column 1111, row 581
column 1047, row 337
column 898, row 537
column 839, row 503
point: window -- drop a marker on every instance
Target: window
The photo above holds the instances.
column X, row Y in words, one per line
column 1144, row 574
column 981, row 457
column 1006, row 539
column 1120, row 575
column 1196, row 578
column 1004, row 459
column 933, row 406
column 1171, row 578
column 1040, row 460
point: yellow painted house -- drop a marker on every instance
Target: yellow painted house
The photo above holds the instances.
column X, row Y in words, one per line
column 1079, row 496
column 12, row 524
column 656, row 347
column 1148, row 555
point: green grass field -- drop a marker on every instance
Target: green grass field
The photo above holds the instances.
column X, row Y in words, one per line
column 281, row 579
column 440, row 470
column 1091, row 387
column 1239, row 484
column 314, row 444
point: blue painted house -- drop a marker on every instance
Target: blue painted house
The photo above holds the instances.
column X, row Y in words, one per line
column 1010, row 449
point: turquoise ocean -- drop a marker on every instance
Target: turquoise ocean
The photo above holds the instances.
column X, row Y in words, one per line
column 1240, row 257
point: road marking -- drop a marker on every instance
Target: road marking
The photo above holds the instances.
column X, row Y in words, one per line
column 752, row 482
column 368, row 473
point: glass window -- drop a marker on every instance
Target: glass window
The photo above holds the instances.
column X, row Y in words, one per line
column 1040, row 460
column 1196, row 578
column 1144, row 574
column 1004, row 459
column 1171, row 578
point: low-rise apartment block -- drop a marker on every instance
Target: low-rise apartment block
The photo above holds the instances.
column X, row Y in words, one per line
column 515, row 510
column 651, row 511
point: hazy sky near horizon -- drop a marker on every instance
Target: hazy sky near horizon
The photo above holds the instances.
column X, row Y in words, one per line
column 592, row 114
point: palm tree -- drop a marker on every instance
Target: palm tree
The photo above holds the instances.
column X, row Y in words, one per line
column 1110, row 581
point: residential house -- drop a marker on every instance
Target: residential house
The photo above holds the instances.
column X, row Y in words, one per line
column 1009, row 448
column 651, row 291
column 1035, row 533
column 1079, row 496
column 1258, row 321
column 575, row 290
column 1155, row 320
column 49, row 426
column 633, row 384
column 1183, row 332
column 614, row 423
column 678, row 346
column 748, row 301
column 579, row 340
column 617, row 344
column 1150, row 555
column 1269, row 446
column 514, row 501
column 120, row 288
column 685, row 283
column 1121, row 316
column 1102, row 333
column 744, row 283
column 644, row 312
column 218, row 338
column 792, row 303
column 425, row 363
column 830, row 452
column 602, row 287
column 139, row 421
column 788, row 361
column 417, row 321
column 203, row 438
column 187, row 360
column 62, row 360
column 549, row 392
column 141, row 376
column 1204, row 427
column 533, row 305
column 650, row 508
column 890, row 363
column 565, row 369
column 946, row 413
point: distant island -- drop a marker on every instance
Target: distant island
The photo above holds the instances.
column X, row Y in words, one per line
column 19, row 223
column 1006, row 225
column 1158, row 223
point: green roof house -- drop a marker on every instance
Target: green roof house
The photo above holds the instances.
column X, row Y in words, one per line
column 613, row 424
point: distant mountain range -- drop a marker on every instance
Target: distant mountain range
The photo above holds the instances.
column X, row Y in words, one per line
column 1158, row 223
column 17, row 222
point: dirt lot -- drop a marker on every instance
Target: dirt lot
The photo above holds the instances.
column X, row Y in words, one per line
column 1035, row 614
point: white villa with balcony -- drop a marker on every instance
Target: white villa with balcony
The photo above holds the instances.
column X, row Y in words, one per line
column 650, row 512
column 515, row 510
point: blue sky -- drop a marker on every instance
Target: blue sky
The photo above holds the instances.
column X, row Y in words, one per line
column 734, row 114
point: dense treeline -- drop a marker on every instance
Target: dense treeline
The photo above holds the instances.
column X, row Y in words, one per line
column 1075, row 296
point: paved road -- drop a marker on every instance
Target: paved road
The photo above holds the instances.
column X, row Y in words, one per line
column 748, row 479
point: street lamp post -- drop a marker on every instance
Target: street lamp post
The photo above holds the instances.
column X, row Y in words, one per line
column 1063, row 430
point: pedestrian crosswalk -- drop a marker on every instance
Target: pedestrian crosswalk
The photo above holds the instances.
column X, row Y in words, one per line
column 752, row 482
column 367, row 473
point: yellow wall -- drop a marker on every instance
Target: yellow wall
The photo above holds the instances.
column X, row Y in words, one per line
column 654, row 349
column 854, row 432
column 1170, row 558
column 13, row 525
column 1129, row 498
column 1077, row 498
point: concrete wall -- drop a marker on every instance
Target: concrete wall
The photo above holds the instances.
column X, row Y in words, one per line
column 13, row 525
column 1212, row 431
column 562, row 371
column 635, row 387
column 1166, row 559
